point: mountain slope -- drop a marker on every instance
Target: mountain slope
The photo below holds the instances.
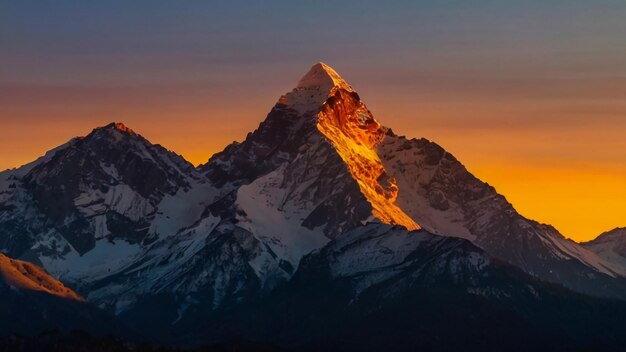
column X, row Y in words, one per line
column 89, row 207
column 610, row 245
column 27, row 276
column 379, row 287
column 439, row 193
column 31, row 301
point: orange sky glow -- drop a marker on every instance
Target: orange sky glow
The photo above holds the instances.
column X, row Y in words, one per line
column 571, row 175
column 529, row 96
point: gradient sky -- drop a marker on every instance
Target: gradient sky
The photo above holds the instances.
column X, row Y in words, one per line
column 529, row 95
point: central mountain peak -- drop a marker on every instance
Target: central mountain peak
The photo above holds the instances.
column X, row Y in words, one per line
column 347, row 124
column 314, row 88
column 323, row 77
column 318, row 150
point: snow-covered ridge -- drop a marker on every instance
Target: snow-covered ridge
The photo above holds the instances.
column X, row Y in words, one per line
column 610, row 245
column 314, row 88
column 438, row 192
column 375, row 254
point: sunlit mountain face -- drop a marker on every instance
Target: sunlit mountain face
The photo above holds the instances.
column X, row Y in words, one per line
column 354, row 133
column 307, row 234
column 33, row 302
column 27, row 276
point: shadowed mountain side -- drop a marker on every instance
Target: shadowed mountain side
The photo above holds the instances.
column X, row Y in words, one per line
column 424, row 293
column 31, row 302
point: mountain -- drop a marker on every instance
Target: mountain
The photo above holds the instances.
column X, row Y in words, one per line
column 278, row 193
column 316, row 144
column 610, row 245
column 437, row 191
column 99, row 189
column 381, row 287
column 32, row 301
column 410, row 182
column 166, row 246
column 90, row 208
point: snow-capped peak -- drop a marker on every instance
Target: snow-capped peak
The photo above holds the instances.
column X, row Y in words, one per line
column 314, row 88
column 344, row 122
column 324, row 77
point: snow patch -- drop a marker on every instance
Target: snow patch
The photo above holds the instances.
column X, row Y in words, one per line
column 277, row 225
column 107, row 258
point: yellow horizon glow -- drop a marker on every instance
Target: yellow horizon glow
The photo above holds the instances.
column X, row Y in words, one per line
column 580, row 205
column 570, row 175
column 581, row 201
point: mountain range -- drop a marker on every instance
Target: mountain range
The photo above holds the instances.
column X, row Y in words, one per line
column 323, row 229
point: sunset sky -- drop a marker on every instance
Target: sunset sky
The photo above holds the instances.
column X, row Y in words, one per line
column 529, row 95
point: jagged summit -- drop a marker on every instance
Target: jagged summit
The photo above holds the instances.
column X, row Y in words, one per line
column 323, row 112
column 314, row 88
column 114, row 132
column 117, row 126
column 106, row 184
column 324, row 77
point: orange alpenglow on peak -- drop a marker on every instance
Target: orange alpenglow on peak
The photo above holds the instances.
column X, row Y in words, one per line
column 120, row 127
column 26, row 276
column 354, row 133
column 324, row 77
column 314, row 88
